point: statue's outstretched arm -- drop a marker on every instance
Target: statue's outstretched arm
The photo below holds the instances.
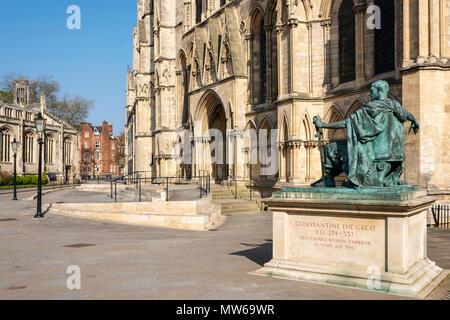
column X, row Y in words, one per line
column 414, row 124
column 335, row 125
column 410, row 117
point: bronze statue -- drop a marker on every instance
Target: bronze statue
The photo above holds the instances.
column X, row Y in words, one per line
column 374, row 152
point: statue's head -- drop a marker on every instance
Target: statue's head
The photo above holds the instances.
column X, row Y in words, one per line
column 379, row 90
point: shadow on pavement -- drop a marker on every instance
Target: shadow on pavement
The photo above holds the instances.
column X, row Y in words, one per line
column 259, row 253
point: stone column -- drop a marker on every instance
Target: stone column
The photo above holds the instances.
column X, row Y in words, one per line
column 309, row 27
column 268, row 29
column 315, row 170
column 298, row 157
column 406, row 33
column 240, row 154
column 292, row 24
column 423, row 28
column 434, row 28
column 279, row 30
column 309, row 146
column 282, row 163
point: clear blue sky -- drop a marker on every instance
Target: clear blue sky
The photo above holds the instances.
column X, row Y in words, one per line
column 90, row 62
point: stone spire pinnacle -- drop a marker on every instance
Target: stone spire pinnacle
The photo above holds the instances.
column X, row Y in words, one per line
column 43, row 102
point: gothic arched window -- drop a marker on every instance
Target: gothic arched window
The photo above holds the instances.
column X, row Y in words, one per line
column 49, row 149
column 67, row 151
column 198, row 10
column 5, row 145
column 385, row 38
column 347, row 41
column 29, row 147
column 258, row 60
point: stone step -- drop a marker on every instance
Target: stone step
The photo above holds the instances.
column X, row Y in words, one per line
column 232, row 197
column 221, row 193
column 216, row 197
column 249, row 204
column 240, row 206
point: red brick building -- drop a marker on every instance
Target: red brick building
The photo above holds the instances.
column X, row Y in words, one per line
column 99, row 150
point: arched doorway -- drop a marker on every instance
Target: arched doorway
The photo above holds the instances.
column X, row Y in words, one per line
column 217, row 121
column 212, row 117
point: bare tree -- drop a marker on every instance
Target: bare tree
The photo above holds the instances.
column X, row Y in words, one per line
column 47, row 85
column 72, row 109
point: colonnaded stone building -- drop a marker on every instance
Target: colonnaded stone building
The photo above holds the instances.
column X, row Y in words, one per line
column 237, row 65
column 60, row 152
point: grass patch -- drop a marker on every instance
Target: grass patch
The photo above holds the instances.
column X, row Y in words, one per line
column 29, row 186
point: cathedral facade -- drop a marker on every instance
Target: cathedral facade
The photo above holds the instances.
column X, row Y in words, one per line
column 261, row 66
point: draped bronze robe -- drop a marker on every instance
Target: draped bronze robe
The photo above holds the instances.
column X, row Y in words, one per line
column 375, row 133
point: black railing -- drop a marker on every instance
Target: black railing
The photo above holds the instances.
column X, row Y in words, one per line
column 204, row 183
column 252, row 187
column 441, row 215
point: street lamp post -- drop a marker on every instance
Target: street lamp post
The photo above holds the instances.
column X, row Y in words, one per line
column 40, row 128
column 15, row 146
column 93, row 167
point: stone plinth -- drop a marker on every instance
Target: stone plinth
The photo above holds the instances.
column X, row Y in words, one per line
column 332, row 238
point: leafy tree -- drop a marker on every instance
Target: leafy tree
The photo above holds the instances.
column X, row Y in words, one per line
column 121, row 150
column 6, row 97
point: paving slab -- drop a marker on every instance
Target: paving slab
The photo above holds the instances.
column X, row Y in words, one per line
column 130, row 262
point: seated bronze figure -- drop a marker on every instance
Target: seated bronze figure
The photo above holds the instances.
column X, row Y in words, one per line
column 374, row 152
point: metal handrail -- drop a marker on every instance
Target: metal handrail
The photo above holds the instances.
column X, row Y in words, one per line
column 251, row 185
column 204, row 184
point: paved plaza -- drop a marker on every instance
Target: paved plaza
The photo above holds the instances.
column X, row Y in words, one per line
column 130, row 262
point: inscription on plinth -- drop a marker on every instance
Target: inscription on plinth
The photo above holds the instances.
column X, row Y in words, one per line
column 352, row 242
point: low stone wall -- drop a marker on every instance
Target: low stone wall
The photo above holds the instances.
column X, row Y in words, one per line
column 105, row 187
column 199, row 214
